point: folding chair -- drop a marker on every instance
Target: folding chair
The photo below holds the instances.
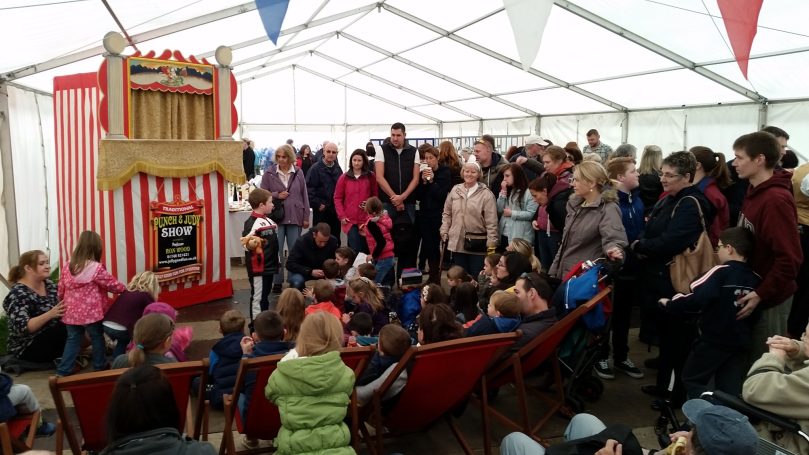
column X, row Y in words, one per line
column 262, row 420
column 11, row 432
column 542, row 348
column 91, row 394
column 755, row 413
column 440, row 378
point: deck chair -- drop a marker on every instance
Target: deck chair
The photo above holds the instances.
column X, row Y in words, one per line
column 91, row 394
column 12, row 432
column 757, row 414
column 541, row 349
column 263, row 420
column 441, row 377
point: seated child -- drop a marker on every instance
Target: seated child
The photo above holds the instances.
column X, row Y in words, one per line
column 394, row 341
column 359, row 329
column 323, row 292
column 267, row 339
column 720, row 353
column 182, row 336
column 437, row 323
column 151, row 338
column 119, row 320
column 466, row 304
column 503, row 316
column 20, row 399
column 345, row 259
column 225, row 357
column 368, row 299
column 455, row 276
column 431, row 294
column 292, row 309
column 377, row 233
column 367, row 270
column 331, row 272
column 486, row 275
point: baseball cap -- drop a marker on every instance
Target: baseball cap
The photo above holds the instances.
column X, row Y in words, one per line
column 534, row 139
column 721, row 430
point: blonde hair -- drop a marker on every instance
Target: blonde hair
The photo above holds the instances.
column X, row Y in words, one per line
column 370, row 293
column 287, row 150
column 145, row 282
column 292, row 309
column 320, row 333
column 506, row 303
column 526, row 249
column 651, row 160
column 150, row 332
column 592, row 172
column 88, row 248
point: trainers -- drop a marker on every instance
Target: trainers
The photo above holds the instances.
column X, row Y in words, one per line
column 249, row 443
column 629, row 368
column 45, row 429
column 603, row 370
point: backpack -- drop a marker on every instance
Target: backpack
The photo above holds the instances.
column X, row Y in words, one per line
column 577, row 290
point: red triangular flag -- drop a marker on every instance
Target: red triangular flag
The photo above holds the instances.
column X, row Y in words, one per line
column 741, row 22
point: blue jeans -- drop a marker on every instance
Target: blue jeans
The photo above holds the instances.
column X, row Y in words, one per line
column 290, row 233
column 121, row 337
column 580, row 426
column 409, row 208
column 297, row 281
column 383, row 267
column 356, row 241
column 75, row 335
column 472, row 263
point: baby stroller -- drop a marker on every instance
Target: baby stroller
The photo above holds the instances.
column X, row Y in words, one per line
column 583, row 346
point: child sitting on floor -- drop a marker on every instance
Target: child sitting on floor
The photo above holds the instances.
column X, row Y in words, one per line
column 359, row 329
column 345, row 259
column 323, row 292
column 368, row 299
column 431, row 294
column 331, row 272
column 465, row 304
column 182, row 336
column 225, row 357
column 503, row 316
column 394, row 341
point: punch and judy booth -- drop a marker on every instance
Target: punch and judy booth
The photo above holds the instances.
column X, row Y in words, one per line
column 144, row 151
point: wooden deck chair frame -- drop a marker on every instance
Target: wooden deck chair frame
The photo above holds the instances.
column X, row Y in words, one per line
column 541, row 349
column 355, row 358
column 491, row 345
column 11, row 431
column 101, row 385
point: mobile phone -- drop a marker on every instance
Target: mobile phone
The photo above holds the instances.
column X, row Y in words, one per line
column 423, row 167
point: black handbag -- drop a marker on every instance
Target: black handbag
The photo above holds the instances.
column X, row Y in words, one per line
column 278, row 213
column 474, row 243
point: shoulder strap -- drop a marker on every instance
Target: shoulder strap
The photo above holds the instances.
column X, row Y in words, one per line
column 699, row 209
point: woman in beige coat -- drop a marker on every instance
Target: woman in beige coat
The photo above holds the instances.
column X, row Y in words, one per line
column 593, row 226
column 469, row 221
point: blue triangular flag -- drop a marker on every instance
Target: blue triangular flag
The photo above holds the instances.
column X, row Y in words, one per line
column 272, row 14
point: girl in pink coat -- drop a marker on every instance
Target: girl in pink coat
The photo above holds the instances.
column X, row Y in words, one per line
column 377, row 232
column 83, row 289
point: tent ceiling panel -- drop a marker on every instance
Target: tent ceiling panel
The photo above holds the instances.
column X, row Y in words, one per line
column 673, row 88
column 447, row 14
column 464, row 63
column 556, row 101
column 299, row 12
column 285, row 53
column 249, row 51
column 419, row 80
column 390, row 32
column 780, row 77
column 350, row 52
column 364, row 109
column 44, row 80
column 146, row 15
column 337, row 7
column 256, row 104
column 382, row 89
column 325, row 28
column 316, row 100
column 324, row 66
column 442, row 112
column 487, row 108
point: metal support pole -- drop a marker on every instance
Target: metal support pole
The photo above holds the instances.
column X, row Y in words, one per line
column 9, row 198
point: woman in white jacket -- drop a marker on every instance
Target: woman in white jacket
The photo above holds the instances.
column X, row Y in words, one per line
column 515, row 206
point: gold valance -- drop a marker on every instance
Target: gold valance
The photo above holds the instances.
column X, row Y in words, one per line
column 120, row 159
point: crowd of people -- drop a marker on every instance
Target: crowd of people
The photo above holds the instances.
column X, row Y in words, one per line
column 508, row 228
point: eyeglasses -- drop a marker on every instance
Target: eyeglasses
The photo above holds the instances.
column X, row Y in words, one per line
column 720, row 246
column 669, row 176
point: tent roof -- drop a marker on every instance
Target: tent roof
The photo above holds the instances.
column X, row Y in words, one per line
column 426, row 61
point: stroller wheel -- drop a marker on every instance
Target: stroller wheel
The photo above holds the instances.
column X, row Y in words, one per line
column 574, row 404
column 590, row 388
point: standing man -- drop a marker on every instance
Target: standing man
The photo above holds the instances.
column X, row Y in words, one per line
column 397, row 173
column 769, row 212
column 491, row 164
column 594, row 145
column 320, row 184
column 799, row 315
column 530, row 158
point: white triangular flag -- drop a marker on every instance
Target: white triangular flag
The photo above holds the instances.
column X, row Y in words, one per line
column 528, row 19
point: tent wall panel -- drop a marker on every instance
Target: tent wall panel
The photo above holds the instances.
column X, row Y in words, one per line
column 662, row 128
column 564, row 128
column 793, row 118
column 718, row 127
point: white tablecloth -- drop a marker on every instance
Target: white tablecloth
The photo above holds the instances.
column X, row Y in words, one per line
column 233, row 231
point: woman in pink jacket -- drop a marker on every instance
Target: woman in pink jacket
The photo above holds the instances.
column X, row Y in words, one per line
column 83, row 289
column 352, row 190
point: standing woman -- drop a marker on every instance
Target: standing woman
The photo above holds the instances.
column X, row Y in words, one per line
column 431, row 193
column 448, row 156
column 283, row 181
column 36, row 333
column 712, row 177
column 593, row 226
column 649, row 181
column 469, row 220
column 307, row 159
column 352, row 190
column 556, row 162
column 515, row 206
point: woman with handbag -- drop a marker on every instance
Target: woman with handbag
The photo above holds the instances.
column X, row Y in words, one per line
column 469, row 220
column 291, row 202
column 675, row 225
column 352, row 190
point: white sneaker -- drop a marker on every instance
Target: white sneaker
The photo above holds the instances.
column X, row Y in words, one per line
column 629, row 368
column 247, row 442
column 603, row 369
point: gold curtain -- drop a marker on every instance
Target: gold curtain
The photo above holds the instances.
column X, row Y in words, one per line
column 171, row 115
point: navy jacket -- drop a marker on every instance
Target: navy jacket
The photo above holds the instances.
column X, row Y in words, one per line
column 713, row 298
column 261, row 349
column 306, row 256
column 321, row 182
column 224, row 357
column 432, row 195
column 378, row 364
column 631, row 213
column 488, row 325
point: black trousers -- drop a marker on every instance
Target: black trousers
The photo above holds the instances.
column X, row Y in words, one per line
column 727, row 366
column 48, row 344
column 625, row 295
column 799, row 314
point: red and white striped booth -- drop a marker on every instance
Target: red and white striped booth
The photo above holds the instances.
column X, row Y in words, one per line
column 159, row 204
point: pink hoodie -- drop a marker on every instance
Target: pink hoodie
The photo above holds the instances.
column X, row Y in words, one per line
column 85, row 295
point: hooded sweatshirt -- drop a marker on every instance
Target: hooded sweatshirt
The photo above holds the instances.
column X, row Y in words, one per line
column 224, row 357
column 85, row 294
column 769, row 212
column 161, row 441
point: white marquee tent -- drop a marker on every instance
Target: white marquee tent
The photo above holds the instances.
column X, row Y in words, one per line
column 640, row 71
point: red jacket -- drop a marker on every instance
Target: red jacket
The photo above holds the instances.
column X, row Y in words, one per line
column 349, row 193
column 722, row 219
column 327, row 306
column 769, row 211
